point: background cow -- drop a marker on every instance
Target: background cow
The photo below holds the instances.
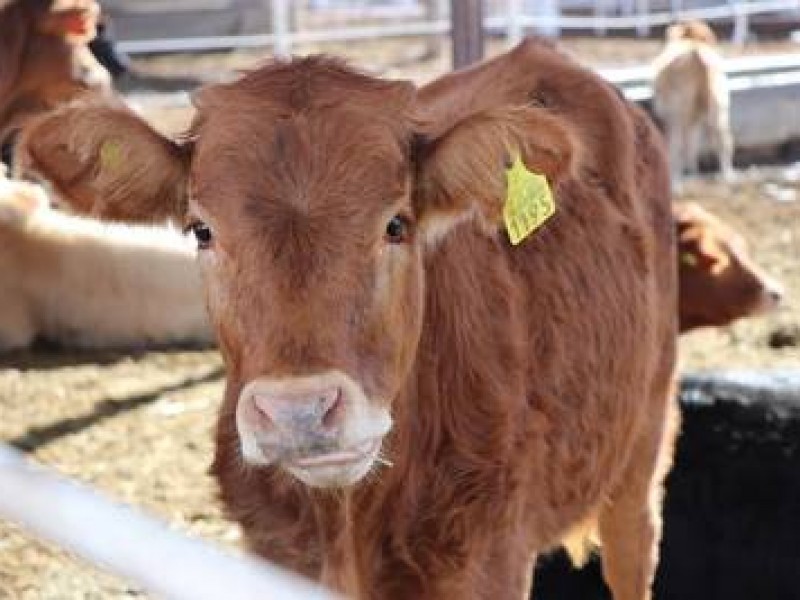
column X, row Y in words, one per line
column 82, row 283
column 371, row 311
column 44, row 58
column 719, row 282
column 691, row 97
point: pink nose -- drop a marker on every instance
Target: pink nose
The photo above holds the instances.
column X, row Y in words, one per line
column 307, row 411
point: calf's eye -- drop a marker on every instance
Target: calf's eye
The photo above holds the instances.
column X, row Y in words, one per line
column 202, row 233
column 397, row 230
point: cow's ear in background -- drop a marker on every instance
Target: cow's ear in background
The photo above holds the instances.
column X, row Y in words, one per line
column 703, row 252
column 464, row 171
column 104, row 160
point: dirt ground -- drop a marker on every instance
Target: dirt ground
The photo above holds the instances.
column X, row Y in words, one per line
column 139, row 427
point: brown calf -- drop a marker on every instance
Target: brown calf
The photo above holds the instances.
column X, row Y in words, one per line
column 44, row 58
column 719, row 282
column 415, row 408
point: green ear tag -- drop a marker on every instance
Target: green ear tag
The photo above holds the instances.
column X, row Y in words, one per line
column 529, row 201
column 110, row 154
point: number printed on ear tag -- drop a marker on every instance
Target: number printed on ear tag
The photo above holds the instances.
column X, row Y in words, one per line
column 111, row 154
column 529, row 201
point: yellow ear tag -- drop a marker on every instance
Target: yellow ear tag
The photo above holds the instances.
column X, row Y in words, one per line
column 110, row 154
column 689, row 259
column 529, row 201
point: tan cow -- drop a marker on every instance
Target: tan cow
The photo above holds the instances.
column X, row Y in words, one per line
column 691, row 97
column 719, row 282
column 82, row 283
column 44, row 57
column 414, row 407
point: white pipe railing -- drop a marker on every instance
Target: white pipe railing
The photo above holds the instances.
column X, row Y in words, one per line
column 515, row 19
column 651, row 18
column 744, row 73
column 135, row 546
column 281, row 29
column 195, row 44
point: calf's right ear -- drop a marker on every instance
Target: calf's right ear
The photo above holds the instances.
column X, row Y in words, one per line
column 105, row 161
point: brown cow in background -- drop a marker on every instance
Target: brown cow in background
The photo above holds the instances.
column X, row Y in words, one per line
column 719, row 282
column 44, row 58
column 414, row 408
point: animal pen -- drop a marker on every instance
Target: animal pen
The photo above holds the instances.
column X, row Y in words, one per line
column 112, row 536
column 283, row 24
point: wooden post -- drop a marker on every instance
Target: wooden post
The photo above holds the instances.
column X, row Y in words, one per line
column 467, row 30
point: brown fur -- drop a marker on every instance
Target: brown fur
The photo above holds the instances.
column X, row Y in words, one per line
column 43, row 62
column 126, row 185
column 529, row 386
column 719, row 281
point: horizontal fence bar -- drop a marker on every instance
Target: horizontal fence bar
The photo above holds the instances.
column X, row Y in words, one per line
column 439, row 27
column 137, row 547
column 742, row 66
column 230, row 42
column 642, row 91
column 650, row 19
column 744, row 73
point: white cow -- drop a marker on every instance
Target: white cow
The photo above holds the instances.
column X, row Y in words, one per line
column 692, row 99
column 82, row 283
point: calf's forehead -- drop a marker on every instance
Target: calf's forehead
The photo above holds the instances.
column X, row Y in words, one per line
column 331, row 156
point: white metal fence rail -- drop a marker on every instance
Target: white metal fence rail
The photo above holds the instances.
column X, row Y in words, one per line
column 641, row 17
column 135, row 546
column 514, row 17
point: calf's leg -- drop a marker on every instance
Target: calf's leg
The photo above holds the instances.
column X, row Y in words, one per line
column 630, row 524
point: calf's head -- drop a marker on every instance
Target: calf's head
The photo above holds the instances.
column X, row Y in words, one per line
column 74, row 20
column 43, row 59
column 696, row 31
column 314, row 192
column 719, row 281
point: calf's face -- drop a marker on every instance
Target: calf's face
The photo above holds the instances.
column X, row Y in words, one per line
column 73, row 20
column 310, row 251
column 719, row 281
column 313, row 192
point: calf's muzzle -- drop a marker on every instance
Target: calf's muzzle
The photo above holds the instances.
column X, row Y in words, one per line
column 321, row 428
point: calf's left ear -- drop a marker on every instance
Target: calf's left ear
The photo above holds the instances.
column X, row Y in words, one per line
column 464, row 171
column 105, row 161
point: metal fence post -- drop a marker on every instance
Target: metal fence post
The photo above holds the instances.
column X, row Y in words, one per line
column 643, row 23
column 467, row 27
column 514, row 29
column 280, row 28
column 741, row 22
column 601, row 9
column 550, row 11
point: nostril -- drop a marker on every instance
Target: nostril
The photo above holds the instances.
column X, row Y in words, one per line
column 332, row 409
column 265, row 409
column 289, row 410
column 326, row 400
column 774, row 292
